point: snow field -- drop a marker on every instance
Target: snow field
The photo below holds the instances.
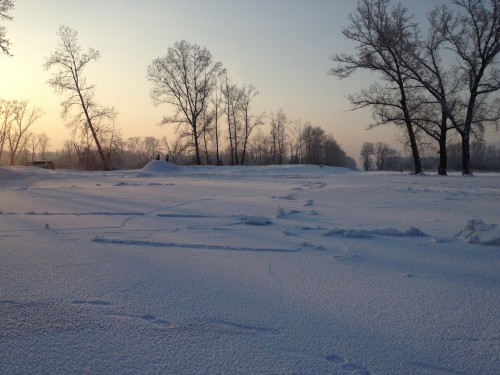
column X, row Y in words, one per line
column 269, row 270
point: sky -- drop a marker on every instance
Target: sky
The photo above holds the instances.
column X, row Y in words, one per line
column 281, row 47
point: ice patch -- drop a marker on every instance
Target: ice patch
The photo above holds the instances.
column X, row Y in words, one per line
column 478, row 232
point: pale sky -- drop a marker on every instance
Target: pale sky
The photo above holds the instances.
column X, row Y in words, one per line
column 282, row 47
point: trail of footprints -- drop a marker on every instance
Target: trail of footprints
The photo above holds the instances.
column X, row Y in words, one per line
column 149, row 318
column 220, row 325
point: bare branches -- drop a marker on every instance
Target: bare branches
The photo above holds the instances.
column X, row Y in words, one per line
column 382, row 36
column 184, row 79
column 418, row 90
column 90, row 118
column 5, row 7
column 17, row 118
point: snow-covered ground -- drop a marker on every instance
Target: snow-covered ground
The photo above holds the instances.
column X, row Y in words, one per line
column 248, row 270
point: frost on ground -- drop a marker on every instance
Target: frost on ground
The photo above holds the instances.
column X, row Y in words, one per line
column 248, row 270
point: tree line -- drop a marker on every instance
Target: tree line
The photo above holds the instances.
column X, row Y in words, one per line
column 213, row 115
column 433, row 84
column 381, row 156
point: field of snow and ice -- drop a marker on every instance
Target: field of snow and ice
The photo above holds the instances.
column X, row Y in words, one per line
column 248, row 270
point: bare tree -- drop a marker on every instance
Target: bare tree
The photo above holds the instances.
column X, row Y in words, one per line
column 232, row 101
column 382, row 152
column 19, row 135
column 7, row 115
column 5, row 7
column 379, row 32
column 366, row 153
column 216, row 100
column 33, row 143
column 207, row 125
column 260, row 148
column 249, row 121
column 43, row 144
column 133, row 149
column 69, row 79
column 313, row 138
column 474, row 37
column 297, row 147
column 279, row 124
column 424, row 64
column 184, row 79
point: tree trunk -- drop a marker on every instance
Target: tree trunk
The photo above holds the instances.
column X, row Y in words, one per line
column 466, row 165
column 196, row 143
column 414, row 150
column 92, row 129
column 230, row 132
column 443, row 158
column 409, row 128
column 217, row 157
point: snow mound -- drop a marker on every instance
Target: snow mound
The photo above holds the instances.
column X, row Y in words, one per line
column 362, row 233
column 478, row 232
column 160, row 166
column 22, row 177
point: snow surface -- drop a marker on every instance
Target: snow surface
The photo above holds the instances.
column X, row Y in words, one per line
column 248, row 270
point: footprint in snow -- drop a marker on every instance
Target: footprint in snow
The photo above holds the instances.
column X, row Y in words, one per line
column 334, row 358
column 148, row 318
column 347, row 366
column 91, row 302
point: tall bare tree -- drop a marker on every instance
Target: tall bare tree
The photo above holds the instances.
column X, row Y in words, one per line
column 436, row 85
column 217, row 114
column 151, row 147
column 378, row 31
column 232, row 100
column 279, row 124
column 249, row 120
column 5, row 7
column 88, row 115
column 474, row 36
column 184, row 79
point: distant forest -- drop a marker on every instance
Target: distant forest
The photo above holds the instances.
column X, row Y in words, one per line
column 437, row 85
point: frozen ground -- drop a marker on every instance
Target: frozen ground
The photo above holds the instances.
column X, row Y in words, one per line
column 248, row 270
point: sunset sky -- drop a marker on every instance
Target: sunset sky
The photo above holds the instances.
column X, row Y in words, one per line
column 282, row 47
